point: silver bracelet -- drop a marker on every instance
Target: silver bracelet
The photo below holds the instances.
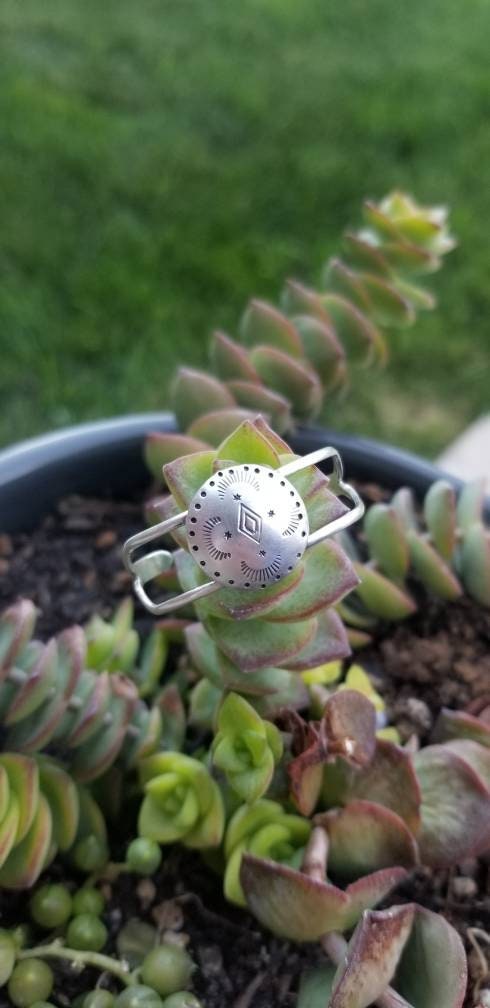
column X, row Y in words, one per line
column 247, row 527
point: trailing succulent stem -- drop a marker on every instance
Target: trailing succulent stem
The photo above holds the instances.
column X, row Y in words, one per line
column 446, row 549
column 290, row 359
column 62, row 696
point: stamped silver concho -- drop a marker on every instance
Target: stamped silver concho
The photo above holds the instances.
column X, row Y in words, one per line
column 247, row 527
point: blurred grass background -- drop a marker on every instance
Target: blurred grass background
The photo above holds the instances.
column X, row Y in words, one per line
column 162, row 161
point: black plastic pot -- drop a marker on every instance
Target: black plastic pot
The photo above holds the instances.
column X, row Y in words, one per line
column 106, row 458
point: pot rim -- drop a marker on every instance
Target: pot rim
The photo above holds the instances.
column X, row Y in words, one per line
column 105, row 456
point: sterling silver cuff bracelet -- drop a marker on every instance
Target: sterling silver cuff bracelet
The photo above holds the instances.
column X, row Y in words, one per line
column 246, row 527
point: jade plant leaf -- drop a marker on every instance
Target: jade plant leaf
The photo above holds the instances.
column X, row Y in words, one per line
column 372, row 957
column 389, row 780
column 365, row 837
column 460, row 725
column 299, row 908
column 316, row 987
column 455, row 807
column 432, row 972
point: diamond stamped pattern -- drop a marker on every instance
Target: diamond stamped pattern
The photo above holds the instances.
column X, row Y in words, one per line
column 249, row 523
column 247, row 527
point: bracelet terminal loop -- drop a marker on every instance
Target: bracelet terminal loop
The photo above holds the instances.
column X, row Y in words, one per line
column 247, row 527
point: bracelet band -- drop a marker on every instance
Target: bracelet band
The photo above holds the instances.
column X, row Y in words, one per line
column 247, row 527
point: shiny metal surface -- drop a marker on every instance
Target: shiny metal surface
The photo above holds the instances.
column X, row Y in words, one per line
column 246, row 526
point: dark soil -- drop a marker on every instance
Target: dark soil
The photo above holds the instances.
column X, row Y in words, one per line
column 71, row 567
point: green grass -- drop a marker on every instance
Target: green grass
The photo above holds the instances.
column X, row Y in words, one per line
column 162, row 161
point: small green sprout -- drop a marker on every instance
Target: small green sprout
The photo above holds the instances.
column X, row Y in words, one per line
column 246, row 748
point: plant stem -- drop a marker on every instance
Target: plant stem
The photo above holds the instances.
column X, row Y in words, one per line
column 55, row 950
column 315, row 857
column 315, row 863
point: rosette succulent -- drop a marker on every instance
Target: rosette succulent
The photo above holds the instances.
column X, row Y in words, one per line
column 182, row 801
column 246, row 748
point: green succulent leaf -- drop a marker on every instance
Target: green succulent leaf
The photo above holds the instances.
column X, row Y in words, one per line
column 204, row 702
column 195, row 393
column 328, row 643
column 263, row 324
column 433, row 971
column 62, row 796
column 16, row 627
column 432, row 570
column 182, row 802
column 212, row 427
column 248, row 443
column 185, row 475
column 159, row 449
column 28, row 858
column 470, row 504
column 229, row 359
column 459, row 725
column 315, row 987
column 245, row 748
column 372, row 957
column 358, row 333
column 440, row 517
column 266, row 830
column 381, row 596
column 387, row 541
column 365, row 837
column 294, row 906
column 322, row 348
column 455, row 807
column 267, row 644
column 294, row 379
column 255, row 397
column 475, row 563
column 389, row 780
column 328, row 576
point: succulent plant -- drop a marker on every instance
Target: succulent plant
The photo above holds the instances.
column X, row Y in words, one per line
column 245, row 747
column 446, row 549
column 182, row 801
column 255, row 641
column 408, row 946
column 50, row 699
column 290, row 358
column 43, row 811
